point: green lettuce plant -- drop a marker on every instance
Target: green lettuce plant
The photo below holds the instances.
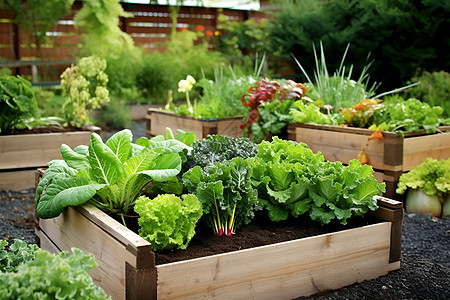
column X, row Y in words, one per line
column 432, row 176
column 111, row 175
column 168, row 221
column 292, row 180
column 31, row 273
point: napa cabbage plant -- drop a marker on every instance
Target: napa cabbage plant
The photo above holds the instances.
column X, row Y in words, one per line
column 111, row 175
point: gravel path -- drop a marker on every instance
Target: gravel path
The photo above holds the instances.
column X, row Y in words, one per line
column 425, row 263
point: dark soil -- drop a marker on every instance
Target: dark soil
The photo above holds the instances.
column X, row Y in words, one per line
column 261, row 231
column 425, row 262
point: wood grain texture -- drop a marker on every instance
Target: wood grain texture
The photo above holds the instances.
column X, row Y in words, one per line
column 284, row 270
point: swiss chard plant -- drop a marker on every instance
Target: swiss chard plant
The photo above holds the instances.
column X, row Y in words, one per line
column 111, row 175
column 226, row 193
column 268, row 105
column 168, row 221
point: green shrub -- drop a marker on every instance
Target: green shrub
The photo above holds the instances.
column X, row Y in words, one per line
column 400, row 36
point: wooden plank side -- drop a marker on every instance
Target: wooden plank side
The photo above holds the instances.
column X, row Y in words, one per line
column 36, row 150
column 17, row 179
column 417, row 149
column 230, row 127
column 71, row 229
column 284, row 270
column 159, row 122
column 338, row 146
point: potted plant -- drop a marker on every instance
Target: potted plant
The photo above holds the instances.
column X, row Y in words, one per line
column 28, row 141
column 393, row 135
column 427, row 187
column 228, row 191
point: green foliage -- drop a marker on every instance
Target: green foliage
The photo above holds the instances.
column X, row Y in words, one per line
column 338, row 90
column 37, row 17
column 114, row 114
column 432, row 176
column 292, row 180
column 99, row 21
column 409, row 115
column 19, row 253
column 168, row 222
column 85, row 87
column 18, row 105
column 43, row 275
column 111, row 175
column 401, row 36
column 226, row 193
column 242, row 38
column 218, row 148
column 273, row 118
column 434, row 89
column 310, row 113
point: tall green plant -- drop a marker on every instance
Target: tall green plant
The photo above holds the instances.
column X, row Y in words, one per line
column 99, row 22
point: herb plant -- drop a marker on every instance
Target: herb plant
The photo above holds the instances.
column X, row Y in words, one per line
column 109, row 176
column 43, row 275
column 168, row 221
column 226, row 193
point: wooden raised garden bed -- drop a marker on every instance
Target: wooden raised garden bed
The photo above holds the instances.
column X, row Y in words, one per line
column 22, row 154
column 158, row 120
column 389, row 157
column 285, row 270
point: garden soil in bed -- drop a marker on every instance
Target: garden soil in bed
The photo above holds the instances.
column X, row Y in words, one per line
column 425, row 261
column 46, row 129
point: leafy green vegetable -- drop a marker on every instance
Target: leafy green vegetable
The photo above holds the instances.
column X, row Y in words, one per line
column 281, row 173
column 432, row 176
column 49, row 276
column 18, row 105
column 166, row 221
column 409, row 115
column 110, row 176
column 226, row 193
column 343, row 191
column 217, row 148
column 19, row 252
column 309, row 113
column 291, row 179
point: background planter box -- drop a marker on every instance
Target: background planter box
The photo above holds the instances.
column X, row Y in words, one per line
column 284, row 270
column 158, row 120
column 21, row 155
column 390, row 157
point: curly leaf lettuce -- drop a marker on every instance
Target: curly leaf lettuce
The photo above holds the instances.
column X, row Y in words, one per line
column 168, row 221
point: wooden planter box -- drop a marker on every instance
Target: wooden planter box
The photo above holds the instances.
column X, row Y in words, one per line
column 284, row 270
column 390, row 157
column 21, row 155
column 158, row 120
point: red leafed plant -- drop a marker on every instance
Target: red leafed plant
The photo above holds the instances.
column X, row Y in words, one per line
column 265, row 91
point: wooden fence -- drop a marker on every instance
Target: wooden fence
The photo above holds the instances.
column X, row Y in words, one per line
column 149, row 28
